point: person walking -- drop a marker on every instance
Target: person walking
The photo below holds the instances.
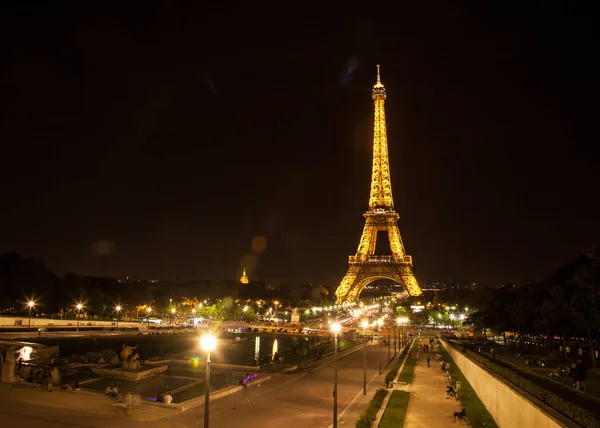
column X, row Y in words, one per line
column 580, row 375
column 428, row 360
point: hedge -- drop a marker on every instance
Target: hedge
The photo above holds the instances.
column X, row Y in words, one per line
column 366, row 418
column 570, row 410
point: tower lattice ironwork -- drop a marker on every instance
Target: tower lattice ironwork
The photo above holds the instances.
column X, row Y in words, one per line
column 365, row 266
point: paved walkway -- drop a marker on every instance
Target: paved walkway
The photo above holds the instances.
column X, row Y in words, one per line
column 427, row 405
column 80, row 401
column 360, row 402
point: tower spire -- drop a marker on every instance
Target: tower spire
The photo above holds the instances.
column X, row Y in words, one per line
column 365, row 266
column 381, row 183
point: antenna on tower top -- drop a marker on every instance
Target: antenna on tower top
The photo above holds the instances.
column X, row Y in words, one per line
column 378, row 77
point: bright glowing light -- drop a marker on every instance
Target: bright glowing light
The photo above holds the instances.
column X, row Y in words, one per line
column 208, row 343
column 149, row 309
column 335, row 327
column 31, row 303
column 79, row 306
column 193, row 310
column 172, row 310
column 402, row 320
column 245, row 308
column 380, row 322
column 364, row 324
column 118, row 308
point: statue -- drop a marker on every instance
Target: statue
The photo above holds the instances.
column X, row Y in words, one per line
column 130, row 362
column 127, row 351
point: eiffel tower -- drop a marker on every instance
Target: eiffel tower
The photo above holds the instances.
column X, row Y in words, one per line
column 365, row 266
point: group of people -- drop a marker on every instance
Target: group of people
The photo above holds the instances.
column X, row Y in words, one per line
column 164, row 398
column 112, row 390
column 71, row 386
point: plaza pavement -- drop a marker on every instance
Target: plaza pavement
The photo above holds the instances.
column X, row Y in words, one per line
column 298, row 400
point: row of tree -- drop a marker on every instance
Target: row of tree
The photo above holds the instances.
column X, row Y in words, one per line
column 22, row 279
column 565, row 304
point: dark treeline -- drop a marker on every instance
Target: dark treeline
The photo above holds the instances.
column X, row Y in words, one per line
column 565, row 304
column 22, row 279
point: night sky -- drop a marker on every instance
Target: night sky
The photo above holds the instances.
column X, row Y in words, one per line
column 157, row 141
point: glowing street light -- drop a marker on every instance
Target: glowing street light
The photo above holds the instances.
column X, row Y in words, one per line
column 335, row 327
column 79, row 307
column 365, row 324
column 208, row 343
column 402, row 322
column 30, row 305
column 118, row 309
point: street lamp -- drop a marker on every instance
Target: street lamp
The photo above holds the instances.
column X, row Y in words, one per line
column 148, row 317
column 208, row 343
column 30, row 304
column 118, row 309
column 335, row 327
column 172, row 315
column 389, row 342
column 79, row 307
column 365, row 324
column 379, row 323
column 401, row 322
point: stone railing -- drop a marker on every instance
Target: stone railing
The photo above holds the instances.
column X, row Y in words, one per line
column 508, row 406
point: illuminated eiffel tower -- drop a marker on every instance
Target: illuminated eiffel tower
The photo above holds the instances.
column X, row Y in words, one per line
column 365, row 266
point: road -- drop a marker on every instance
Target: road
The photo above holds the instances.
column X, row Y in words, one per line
column 298, row 400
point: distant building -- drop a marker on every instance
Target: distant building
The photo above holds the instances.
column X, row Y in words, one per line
column 244, row 278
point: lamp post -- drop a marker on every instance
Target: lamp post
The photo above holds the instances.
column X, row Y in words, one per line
column 389, row 341
column 118, row 309
column 394, row 340
column 365, row 324
column 172, row 315
column 208, row 343
column 335, row 327
column 30, row 304
column 401, row 322
column 148, row 317
column 79, row 307
column 379, row 323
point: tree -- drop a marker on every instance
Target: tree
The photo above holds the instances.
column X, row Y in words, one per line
column 587, row 295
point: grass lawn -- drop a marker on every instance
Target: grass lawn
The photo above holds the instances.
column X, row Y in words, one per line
column 408, row 371
column 592, row 381
column 477, row 414
column 395, row 412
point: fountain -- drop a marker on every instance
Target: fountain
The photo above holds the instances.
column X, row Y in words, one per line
column 130, row 368
column 257, row 350
column 274, row 350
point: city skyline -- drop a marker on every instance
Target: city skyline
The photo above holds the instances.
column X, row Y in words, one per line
column 156, row 146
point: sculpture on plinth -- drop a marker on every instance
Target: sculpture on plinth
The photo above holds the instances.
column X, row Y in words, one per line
column 129, row 359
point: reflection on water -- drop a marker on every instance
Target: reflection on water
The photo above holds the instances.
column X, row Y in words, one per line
column 260, row 348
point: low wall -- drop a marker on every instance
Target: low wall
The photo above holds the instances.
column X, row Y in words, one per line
column 508, row 406
column 22, row 323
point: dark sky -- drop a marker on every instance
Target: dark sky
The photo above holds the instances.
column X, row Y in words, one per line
column 157, row 141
